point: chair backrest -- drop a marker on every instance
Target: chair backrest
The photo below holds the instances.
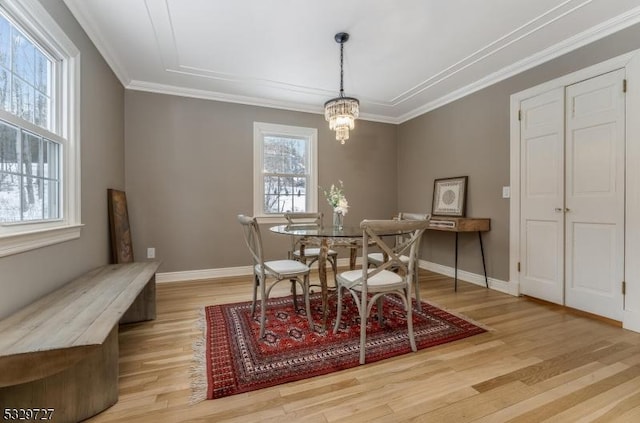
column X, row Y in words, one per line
column 374, row 230
column 302, row 220
column 412, row 216
column 252, row 237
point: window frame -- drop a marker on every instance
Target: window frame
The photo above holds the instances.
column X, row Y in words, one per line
column 260, row 131
column 40, row 27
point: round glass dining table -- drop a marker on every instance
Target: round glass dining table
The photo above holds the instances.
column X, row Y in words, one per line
column 326, row 237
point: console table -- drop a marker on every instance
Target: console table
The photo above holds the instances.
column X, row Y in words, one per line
column 462, row 224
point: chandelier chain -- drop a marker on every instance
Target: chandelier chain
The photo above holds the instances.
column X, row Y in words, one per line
column 341, row 69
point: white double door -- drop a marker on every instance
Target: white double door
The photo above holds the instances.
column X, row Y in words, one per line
column 572, row 144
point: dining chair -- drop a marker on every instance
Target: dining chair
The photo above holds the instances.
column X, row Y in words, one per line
column 299, row 249
column 369, row 286
column 279, row 270
column 377, row 258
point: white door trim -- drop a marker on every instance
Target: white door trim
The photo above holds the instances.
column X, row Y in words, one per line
column 631, row 62
column 631, row 318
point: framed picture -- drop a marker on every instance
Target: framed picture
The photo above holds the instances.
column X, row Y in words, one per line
column 449, row 196
column 119, row 231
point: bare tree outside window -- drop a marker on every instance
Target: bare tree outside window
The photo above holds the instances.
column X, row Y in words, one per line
column 285, row 174
column 29, row 162
column 285, row 169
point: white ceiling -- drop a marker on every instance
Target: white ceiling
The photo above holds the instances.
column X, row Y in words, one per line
column 404, row 57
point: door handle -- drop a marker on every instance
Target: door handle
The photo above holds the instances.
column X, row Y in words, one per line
column 558, row 210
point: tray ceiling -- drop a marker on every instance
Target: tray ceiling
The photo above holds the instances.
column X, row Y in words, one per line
column 403, row 57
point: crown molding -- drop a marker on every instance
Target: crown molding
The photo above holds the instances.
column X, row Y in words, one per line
column 490, row 49
column 77, row 8
column 218, row 96
column 593, row 34
column 246, row 100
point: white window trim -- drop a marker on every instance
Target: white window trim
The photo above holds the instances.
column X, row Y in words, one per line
column 260, row 129
column 21, row 237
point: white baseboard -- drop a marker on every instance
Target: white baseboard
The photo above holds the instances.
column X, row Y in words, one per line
column 225, row 272
column 631, row 320
column 194, row 275
column 497, row 284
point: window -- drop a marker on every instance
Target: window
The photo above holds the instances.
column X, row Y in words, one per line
column 29, row 176
column 285, row 171
column 39, row 138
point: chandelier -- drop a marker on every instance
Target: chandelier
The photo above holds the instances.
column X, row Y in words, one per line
column 341, row 112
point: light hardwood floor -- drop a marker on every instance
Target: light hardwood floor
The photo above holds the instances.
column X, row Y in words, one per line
column 539, row 363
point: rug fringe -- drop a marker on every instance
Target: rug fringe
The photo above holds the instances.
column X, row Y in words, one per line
column 197, row 372
column 460, row 315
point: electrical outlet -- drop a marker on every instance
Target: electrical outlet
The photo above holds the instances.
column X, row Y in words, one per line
column 151, row 253
column 506, row 192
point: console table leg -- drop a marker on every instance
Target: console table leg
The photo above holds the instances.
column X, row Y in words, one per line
column 484, row 266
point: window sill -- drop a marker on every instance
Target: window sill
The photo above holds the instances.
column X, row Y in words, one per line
column 26, row 241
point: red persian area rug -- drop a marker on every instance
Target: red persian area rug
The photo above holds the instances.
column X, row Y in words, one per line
column 231, row 359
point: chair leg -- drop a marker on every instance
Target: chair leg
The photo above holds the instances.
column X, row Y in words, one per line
column 256, row 282
column 295, row 295
column 417, row 287
column 412, row 340
column 307, row 301
column 263, row 309
column 339, row 310
column 363, row 332
column 379, row 304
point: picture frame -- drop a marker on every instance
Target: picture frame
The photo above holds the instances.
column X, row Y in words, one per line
column 119, row 230
column 450, row 196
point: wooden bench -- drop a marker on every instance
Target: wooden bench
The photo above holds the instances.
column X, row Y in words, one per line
column 61, row 352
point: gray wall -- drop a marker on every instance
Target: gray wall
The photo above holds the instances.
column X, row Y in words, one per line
column 27, row 276
column 471, row 137
column 189, row 172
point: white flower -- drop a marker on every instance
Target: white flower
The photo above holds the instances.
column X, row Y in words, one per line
column 336, row 198
column 342, row 207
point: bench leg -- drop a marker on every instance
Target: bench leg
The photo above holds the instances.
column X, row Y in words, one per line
column 77, row 393
column 144, row 306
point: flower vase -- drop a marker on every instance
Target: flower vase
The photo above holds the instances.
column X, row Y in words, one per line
column 338, row 219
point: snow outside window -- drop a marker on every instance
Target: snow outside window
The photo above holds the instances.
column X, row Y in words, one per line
column 285, row 175
column 39, row 133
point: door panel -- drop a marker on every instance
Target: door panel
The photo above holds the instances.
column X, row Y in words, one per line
column 542, row 195
column 594, row 161
column 544, row 166
column 543, row 258
column 594, row 256
column 594, row 217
